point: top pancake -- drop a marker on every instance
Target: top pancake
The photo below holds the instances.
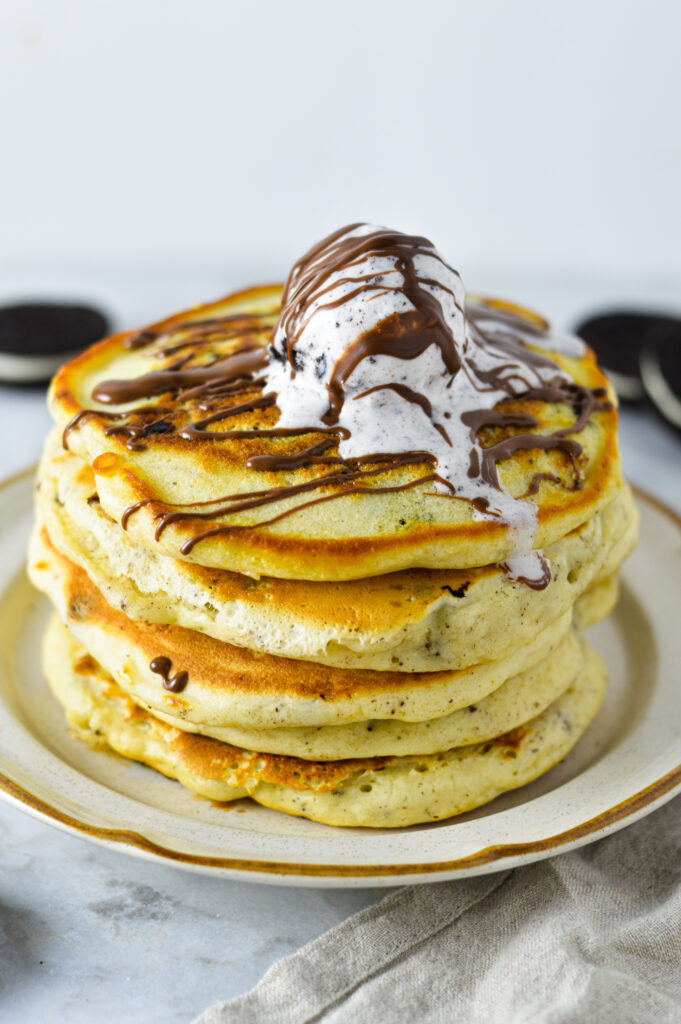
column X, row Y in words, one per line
column 346, row 536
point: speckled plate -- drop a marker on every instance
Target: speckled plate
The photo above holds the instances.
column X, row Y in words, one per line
column 627, row 764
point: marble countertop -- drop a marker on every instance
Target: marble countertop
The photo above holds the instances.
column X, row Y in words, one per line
column 87, row 934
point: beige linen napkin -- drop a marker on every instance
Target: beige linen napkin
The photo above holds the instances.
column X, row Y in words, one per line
column 593, row 936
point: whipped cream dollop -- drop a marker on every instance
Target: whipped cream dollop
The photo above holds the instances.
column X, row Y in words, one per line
column 375, row 340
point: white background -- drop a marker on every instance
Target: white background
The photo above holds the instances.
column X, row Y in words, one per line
column 535, row 135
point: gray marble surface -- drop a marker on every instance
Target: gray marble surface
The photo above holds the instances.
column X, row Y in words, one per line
column 89, row 935
column 92, row 935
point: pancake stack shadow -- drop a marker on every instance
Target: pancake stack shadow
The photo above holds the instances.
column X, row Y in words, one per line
column 322, row 669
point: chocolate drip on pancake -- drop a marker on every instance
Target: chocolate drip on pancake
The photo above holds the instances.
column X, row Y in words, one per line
column 533, row 582
column 162, row 666
column 536, row 482
column 204, row 388
column 132, row 432
column 199, row 380
column 199, row 332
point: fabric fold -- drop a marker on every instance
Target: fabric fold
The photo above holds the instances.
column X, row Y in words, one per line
column 593, row 935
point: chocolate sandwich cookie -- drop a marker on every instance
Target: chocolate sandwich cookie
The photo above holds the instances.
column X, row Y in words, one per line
column 36, row 338
column 641, row 353
column 618, row 339
column 661, row 369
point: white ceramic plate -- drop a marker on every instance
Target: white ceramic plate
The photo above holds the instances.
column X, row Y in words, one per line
column 627, row 764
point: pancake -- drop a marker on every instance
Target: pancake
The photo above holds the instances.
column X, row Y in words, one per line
column 417, row 620
column 194, row 497
column 227, row 685
column 597, row 602
column 515, row 702
column 376, row 793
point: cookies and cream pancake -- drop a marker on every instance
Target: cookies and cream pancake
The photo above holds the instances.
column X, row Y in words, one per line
column 373, row 792
column 514, row 703
column 370, row 420
column 415, row 620
column 193, row 676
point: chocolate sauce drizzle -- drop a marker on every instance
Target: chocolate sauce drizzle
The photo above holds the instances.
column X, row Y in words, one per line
column 200, row 397
column 162, row 666
column 403, row 336
column 534, row 583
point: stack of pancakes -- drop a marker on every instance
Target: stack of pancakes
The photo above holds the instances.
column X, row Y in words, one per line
column 364, row 659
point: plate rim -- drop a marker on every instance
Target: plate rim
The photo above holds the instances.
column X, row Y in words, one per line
column 490, row 858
